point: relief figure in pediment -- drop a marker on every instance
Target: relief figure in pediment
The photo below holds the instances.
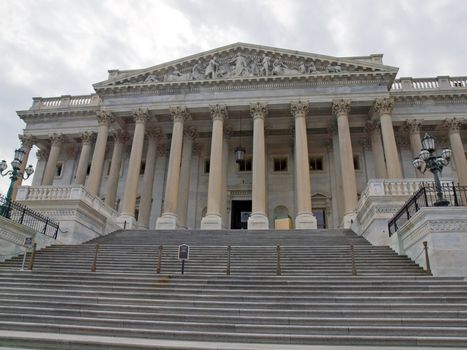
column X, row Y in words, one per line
column 151, row 78
column 254, row 66
column 311, row 68
column 334, row 68
column 212, row 69
column 197, row 71
column 265, row 64
column 241, row 66
column 176, row 75
column 302, row 69
column 280, row 68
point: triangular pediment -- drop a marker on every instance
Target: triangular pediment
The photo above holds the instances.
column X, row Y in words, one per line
column 242, row 61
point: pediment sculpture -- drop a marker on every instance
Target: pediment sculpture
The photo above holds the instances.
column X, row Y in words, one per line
column 238, row 65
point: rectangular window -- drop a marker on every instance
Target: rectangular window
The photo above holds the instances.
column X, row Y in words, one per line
column 316, row 163
column 356, row 162
column 109, row 167
column 320, row 215
column 245, row 165
column 142, row 167
column 59, row 169
column 207, row 166
column 88, row 170
column 280, row 163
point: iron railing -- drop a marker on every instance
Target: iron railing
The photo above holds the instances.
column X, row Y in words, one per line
column 427, row 196
column 28, row 217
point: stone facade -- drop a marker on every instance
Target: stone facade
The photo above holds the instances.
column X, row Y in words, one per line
column 156, row 146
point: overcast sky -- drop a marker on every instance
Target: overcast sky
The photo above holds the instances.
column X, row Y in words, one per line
column 59, row 47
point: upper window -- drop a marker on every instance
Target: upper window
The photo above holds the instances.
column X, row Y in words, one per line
column 142, row 167
column 280, row 164
column 316, row 163
column 207, row 166
column 59, row 169
column 88, row 170
column 356, row 162
column 245, row 165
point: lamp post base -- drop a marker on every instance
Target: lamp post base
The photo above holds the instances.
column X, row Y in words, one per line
column 441, row 203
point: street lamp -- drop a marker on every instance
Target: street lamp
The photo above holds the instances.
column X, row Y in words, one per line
column 15, row 172
column 427, row 159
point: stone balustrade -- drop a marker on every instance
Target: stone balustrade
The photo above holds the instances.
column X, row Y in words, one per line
column 65, row 101
column 436, row 83
column 60, row 193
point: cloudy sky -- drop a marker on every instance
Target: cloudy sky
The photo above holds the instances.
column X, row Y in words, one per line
column 58, row 47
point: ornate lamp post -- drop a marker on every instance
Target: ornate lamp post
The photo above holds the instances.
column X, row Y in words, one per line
column 15, row 173
column 427, row 159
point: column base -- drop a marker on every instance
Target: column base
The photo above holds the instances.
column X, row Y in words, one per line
column 167, row 221
column 258, row 222
column 305, row 221
column 349, row 219
column 127, row 221
column 211, row 222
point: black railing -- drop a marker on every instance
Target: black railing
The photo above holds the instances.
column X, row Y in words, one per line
column 28, row 217
column 427, row 196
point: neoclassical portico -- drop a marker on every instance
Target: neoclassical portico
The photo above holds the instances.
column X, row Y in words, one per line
column 152, row 144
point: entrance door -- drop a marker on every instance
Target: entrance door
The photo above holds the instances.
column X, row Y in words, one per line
column 241, row 211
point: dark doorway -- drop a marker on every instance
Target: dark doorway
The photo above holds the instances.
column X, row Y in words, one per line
column 241, row 211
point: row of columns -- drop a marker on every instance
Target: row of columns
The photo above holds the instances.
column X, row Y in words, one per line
column 383, row 144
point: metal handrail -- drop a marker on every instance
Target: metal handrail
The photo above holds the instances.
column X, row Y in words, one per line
column 426, row 196
column 28, row 217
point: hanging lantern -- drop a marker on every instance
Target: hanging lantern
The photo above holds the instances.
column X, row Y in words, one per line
column 239, row 154
column 428, row 143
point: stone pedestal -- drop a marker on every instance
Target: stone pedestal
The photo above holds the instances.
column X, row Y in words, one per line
column 348, row 220
column 305, row 221
column 211, row 222
column 258, row 221
column 167, row 221
column 127, row 221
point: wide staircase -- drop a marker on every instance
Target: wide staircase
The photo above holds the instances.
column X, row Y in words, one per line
column 239, row 290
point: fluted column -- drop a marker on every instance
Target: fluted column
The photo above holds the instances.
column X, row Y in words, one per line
column 81, row 171
column 168, row 219
column 134, row 165
column 97, row 164
column 413, row 127
column 341, row 109
column 148, row 178
column 457, row 147
column 184, row 188
column 27, row 141
column 49, row 172
column 377, row 150
column 213, row 218
column 258, row 219
column 384, row 108
column 305, row 218
column 120, row 139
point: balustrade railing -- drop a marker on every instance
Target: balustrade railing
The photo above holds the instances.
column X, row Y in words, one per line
column 28, row 217
column 436, row 83
column 427, row 196
column 65, row 101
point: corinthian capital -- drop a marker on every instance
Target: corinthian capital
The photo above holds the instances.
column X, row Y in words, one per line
column 384, row 105
column 87, row 137
column 258, row 110
column 413, row 126
column 372, row 126
column 452, row 124
column 120, row 136
column 191, row 132
column 27, row 141
column 218, row 112
column 56, row 139
column 179, row 114
column 141, row 115
column 104, row 118
column 299, row 108
column 341, row 107
column 154, row 133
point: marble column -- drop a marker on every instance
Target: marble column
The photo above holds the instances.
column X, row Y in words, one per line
column 49, row 172
column 120, row 139
column 374, row 130
column 413, row 127
column 384, row 106
column 81, row 171
column 458, row 152
column 27, row 141
column 258, row 219
column 341, row 109
column 41, row 155
column 168, row 219
column 134, row 166
column 213, row 218
column 305, row 218
column 104, row 120
column 145, row 203
column 189, row 138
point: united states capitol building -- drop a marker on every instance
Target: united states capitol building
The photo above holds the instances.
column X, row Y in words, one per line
column 242, row 137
